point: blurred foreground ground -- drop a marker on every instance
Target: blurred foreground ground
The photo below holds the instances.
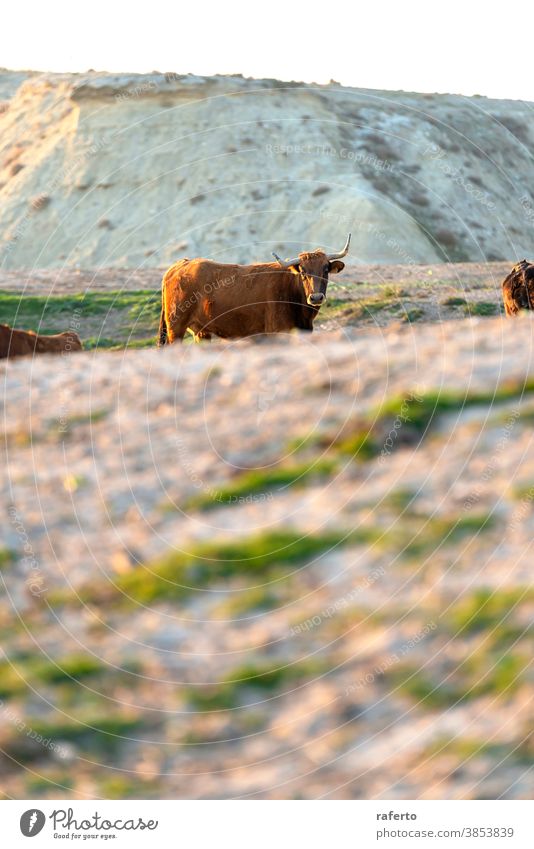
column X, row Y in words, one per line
column 293, row 569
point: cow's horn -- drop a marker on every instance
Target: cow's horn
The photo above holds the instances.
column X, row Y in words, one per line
column 343, row 253
column 286, row 263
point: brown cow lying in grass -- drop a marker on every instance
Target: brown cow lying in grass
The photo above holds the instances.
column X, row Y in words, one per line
column 518, row 288
column 232, row 301
column 20, row 343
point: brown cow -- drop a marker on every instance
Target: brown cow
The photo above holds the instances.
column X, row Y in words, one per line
column 20, row 343
column 518, row 288
column 232, row 301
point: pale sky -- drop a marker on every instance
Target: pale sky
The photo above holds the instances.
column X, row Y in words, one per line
column 461, row 46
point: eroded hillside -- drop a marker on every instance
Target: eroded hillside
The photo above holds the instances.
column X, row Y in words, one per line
column 115, row 170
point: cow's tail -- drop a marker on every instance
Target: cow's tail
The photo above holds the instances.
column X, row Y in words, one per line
column 162, row 339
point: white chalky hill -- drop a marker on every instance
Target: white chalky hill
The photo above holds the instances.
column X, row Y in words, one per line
column 125, row 170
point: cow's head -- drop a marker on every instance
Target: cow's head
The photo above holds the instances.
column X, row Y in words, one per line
column 313, row 269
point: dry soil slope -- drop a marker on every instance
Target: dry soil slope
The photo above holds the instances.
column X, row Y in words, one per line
column 121, row 170
column 391, row 659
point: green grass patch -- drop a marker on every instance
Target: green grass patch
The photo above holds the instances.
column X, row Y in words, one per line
column 74, row 667
column 26, row 669
column 7, row 558
column 92, row 342
column 250, row 485
column 106, row 343
column 147, row 342
column 252, row 600
column 360, row 445
column 93, row 417
column 261, row 678
column 493, row 673
column 369, row 306
column 393, row 291
column 145, row 305
column 486, row 609
column 525, row 492
column 465, row 748
column 267, row 556
column 435, row 532
column 454, row 301
column 18, row 308
column 400, row 499
column 102, row 730
column 417, row 686
column 121, row 787
column 413, row 315
column 480, row 675
column 11, row 683
column 420, row 410
column 131, row 316
column 356, row 440
column 54, row 783
column 401, row 419
column 358, row 309
column 178, row 575
column 334, row 305
column 483, row 308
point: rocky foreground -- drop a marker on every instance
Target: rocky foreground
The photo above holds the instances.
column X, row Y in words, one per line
column 294, row 569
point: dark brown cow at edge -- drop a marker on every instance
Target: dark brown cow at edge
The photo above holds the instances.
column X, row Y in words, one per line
column 518, row 288
column 20, row 343
column 232, row 301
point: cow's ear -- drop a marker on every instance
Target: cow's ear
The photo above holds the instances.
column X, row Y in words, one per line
column 294, row 268
column 336, row 266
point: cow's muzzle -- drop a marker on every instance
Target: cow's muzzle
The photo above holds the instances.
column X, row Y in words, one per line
column 316, row 299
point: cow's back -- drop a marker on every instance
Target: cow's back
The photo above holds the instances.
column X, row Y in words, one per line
column 23, row 343
column 59, row 343
column 228, row 281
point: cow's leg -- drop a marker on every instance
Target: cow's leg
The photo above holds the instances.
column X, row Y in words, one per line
column 305, row 323
column 162, row 338
column 177, row 325
column 202, row 335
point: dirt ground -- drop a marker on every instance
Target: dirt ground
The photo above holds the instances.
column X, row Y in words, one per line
column 372, row 295
column 53, row 281
column 294, row 569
